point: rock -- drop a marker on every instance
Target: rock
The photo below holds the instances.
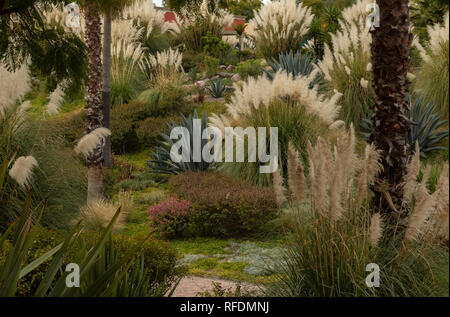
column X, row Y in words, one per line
column 230, row 68
column 223, row 74
column 236, row 77
column 215, row 77
column 222, row 67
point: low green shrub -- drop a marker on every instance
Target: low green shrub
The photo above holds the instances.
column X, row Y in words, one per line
column 251, row 67
column 164, row 98
column 223, row 206
column 160, row 258
column 211, row 64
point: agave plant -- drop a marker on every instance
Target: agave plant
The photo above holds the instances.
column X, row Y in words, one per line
column 217, row 88
column 298, row 64
column 161, row 162
column 425, row 126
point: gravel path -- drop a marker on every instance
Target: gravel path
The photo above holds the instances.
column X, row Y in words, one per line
column 191, row 286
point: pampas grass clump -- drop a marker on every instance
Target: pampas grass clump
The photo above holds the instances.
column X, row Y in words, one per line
column 98, row 214
column 347, row 67
column 432, row 76
column 288, row 103
column 196, row 20
column 261, row 91
column 429, row 211
column 335, row 235
column 279, row 26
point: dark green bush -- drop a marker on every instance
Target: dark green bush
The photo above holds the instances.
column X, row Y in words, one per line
column 224, row 206
column 136, row 124
column 159, row 257
column 148, row 130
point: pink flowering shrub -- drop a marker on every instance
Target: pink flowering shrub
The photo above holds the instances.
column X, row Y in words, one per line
column 171, row 217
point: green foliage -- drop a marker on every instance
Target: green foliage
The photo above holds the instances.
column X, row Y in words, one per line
column 214, row 46
column 160, row 161
column 243, row 7
column 251, row 67
column 59, row 179
column 425, row 13
column 53, row 52
column 147, row 131
column 211, row 64
column 136, row 125
column 164, row 98
column 223, row 206
column 217, row 88
column 427, row 128
column 53, row 282
column 191, row 33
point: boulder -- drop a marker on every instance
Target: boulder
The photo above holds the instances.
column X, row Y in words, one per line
column 236, row 77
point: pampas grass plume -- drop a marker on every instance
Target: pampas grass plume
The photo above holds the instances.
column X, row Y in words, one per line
column 21, row 171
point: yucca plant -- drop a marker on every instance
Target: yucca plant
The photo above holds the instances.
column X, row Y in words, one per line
column 426, row 126
column 160, row 161
column 217, row 88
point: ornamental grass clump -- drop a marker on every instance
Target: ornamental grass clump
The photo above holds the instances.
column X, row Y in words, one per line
column 292, row 104
column 346, row 65
column 279, row 26
column 432, row 76
column 336, row 234
column 197, row 20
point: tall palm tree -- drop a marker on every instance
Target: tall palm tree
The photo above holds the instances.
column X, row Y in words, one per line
column 391, row 59
column 94, row 105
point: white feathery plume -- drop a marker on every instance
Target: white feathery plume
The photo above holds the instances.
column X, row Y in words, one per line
column 88, row 143
column 56, row 98
column 21, row 171
column 375, row 230
column 261, row 91
column 280, row 22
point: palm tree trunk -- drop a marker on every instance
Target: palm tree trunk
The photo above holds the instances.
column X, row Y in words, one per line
column 391, row 44
column 94, row 96
column 107, row 86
